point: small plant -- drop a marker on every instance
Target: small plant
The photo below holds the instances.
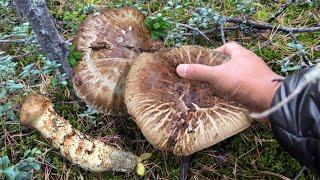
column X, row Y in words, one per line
column 245, row 7
column 287, row 66
column 74, row 56
column 22, row 169
column 205, row 17
column 140, row 169
column 138, row 4
column 48, row 68
column 159, row 26
column 7, row 85
column 7, row 111
column 301, row 52
column 296, row 46
column 4, row 3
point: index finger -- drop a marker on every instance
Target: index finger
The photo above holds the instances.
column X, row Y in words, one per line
column 231, row 49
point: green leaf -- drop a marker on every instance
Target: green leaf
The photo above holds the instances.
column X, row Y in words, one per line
column 23, row 175
column 292, row 45
column 64, row 83
column 140, row 169
column 72, row 48
column 30, row 159
column 27, row 153
column 72, row 62
column 77, row 56
column 144, row 156
column 163, row 34
column 156, row 25
column 15, row 86
column 297, row 46
column 154, row 35
column 165, row 23
column 22, row 165
column 148, row 23
column 54, row 81
column 36, row 166
column 35, row 151
column 11, row 173
column 5, row 162
column 3, row 92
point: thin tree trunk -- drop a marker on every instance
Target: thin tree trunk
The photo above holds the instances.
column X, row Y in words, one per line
column 43, row 25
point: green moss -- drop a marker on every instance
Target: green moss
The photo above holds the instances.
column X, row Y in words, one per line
column 263, row 14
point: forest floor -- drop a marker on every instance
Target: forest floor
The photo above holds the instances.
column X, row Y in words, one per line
column 252, row 154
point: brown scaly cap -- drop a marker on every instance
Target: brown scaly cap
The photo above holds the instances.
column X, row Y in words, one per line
column 176, row 114
column 33, row 107
column 108, row 42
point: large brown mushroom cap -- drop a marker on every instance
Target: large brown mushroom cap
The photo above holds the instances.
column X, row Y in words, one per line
column 108, row 42
column 176, row 114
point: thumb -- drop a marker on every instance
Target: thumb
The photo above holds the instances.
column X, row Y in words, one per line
column 197, row 72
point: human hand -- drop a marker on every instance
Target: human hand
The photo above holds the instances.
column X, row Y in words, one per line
column 245, row 77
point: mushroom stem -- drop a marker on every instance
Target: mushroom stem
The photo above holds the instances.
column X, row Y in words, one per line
column 186, row 160
column 89, row 153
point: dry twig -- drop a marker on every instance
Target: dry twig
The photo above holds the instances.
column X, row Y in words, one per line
column 7, row 41
column 25, row 54
column 300, row 173
column 264, row 25
column 258, row 25
column 282, row 8
column 194, row 29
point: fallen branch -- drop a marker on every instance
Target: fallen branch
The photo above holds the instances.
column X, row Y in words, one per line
column 258, row 25
column 7, row 41
column 283, row 7
column 47, row 34
column 223, row 38
column 264, row 25
column 300, row 173
column 225, row 29
column 279, row 176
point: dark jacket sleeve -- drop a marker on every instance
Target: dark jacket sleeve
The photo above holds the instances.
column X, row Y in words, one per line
column 297, row 124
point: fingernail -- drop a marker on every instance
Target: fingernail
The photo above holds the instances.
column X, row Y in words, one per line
column 182, row 69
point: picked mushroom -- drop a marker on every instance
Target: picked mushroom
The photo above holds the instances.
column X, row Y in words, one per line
column 177, row 114
column 83, row 150
column 109, row 41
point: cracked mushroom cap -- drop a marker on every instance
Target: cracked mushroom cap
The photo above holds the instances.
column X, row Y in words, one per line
column 108, row 42
column 176, row 114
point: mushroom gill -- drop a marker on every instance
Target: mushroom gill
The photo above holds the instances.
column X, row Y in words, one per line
column 108, row 41
column 176, row 114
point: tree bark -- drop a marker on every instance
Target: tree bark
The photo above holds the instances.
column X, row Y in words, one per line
column 43, row 25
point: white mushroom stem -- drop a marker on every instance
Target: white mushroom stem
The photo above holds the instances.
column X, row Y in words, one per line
column 83, row 150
